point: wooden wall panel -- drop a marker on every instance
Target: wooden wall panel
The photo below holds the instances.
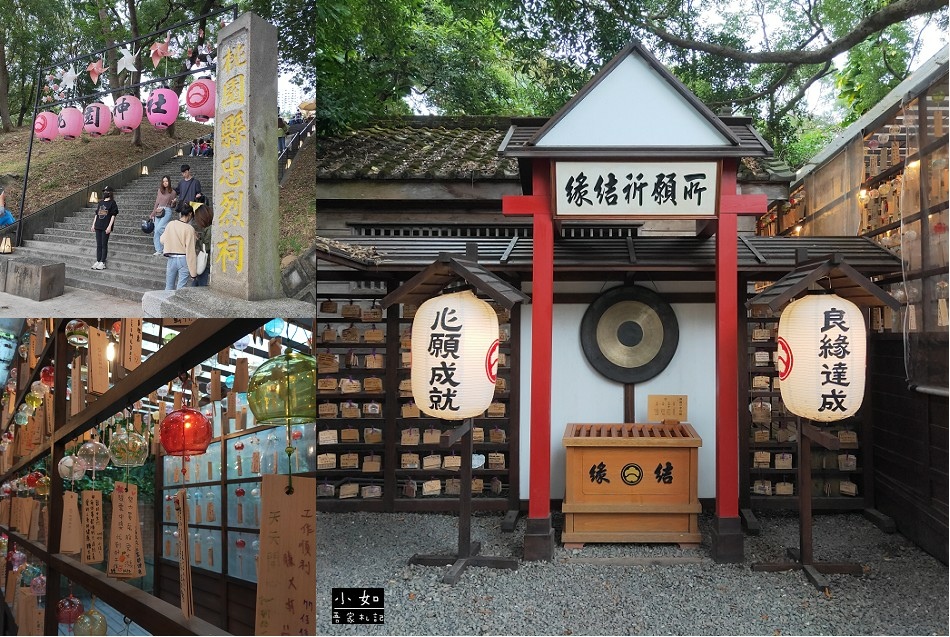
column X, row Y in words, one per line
column 910, row 450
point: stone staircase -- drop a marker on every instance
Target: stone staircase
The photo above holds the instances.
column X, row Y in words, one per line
column 132, row 270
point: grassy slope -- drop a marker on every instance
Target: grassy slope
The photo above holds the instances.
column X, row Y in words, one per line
column 61, row 167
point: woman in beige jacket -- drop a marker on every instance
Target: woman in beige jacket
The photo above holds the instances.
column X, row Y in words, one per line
column 178, row 246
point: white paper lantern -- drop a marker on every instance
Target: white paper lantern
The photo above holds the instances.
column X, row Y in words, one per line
column 454, row 356
column 821, row 357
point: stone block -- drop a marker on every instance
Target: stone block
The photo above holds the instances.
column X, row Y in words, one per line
column 5, row 260
column 35, row 279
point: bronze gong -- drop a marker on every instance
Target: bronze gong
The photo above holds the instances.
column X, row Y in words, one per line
column 629, row 334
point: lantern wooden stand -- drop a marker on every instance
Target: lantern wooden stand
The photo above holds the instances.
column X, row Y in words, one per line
column 423, row 286
column 802, row 557
column 834, row 274
column 468, row 551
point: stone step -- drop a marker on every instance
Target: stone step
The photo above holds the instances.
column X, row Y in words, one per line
column 117, row 244
column 132, row 269
column 73, row 230
column 111, row 275
column 85, row 256
column 117, row 290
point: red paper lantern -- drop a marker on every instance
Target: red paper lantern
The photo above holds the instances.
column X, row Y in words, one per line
column 200, row 99
column 46, row 126
column 127, row 113
column 96, row 119
column 185, row 432
column 162, row 107
column 70, row 123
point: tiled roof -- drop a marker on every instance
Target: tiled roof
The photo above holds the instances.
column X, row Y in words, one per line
column 419, row 148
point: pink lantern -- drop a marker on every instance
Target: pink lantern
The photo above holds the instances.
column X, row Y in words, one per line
column 46, row 126
column 200, row 99
column 70, row 123
column 162, row 107
column 127, row 113
column 96, row 119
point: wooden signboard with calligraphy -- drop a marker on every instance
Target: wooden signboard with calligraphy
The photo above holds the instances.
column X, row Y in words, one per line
column 131, row 343
column 96, row 362
column 126, row 558
column 635, row 189
column 92, row 542
column 287, row 577
column 71, row 539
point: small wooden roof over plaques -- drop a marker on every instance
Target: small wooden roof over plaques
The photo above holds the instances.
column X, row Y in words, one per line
column 447, row 268
column 831, row 273
column 634, row 107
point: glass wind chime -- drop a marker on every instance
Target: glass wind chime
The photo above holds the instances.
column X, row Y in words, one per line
column 282, row 391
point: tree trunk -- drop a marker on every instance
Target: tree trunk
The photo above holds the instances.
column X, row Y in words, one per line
column 24, row 100
column 7, row 125
column 179, row 85
column 136, row 76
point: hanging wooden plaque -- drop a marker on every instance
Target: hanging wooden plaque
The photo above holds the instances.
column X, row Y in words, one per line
column 224, row 356
column 273, row 347
column 177, row 400
column 34, row 532
column 131, row 343
column 126, row 557
column 77, row 394
column 49, row 416
column 184, row 555
column 288, row 527
column 97, row 363
column 32, row 356
column 71, row 540
column 240, row 375
column 92, row 540
column 39, row 342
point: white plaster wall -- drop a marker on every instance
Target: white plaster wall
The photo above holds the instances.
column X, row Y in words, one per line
column 580, row 394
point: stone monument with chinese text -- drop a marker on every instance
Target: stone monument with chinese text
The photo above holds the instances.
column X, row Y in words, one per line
column 244, row 263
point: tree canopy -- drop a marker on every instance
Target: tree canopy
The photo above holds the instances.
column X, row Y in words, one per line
column 528, row 57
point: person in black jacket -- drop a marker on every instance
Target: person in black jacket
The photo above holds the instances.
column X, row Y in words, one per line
column 102, row 226
column 188, row 189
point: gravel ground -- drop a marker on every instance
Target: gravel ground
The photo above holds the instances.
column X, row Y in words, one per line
column 904, row 591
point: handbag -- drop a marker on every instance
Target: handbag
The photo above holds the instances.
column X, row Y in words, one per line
column 202, row 261
column 160, row 213
column 6, row 246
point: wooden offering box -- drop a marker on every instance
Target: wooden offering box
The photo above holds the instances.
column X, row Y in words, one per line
column 631, row 483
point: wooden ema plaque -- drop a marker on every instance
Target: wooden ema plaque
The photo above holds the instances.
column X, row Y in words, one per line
column 184, row 555
column 131, row 343
column 71, row 540
column 126, row 558
column 287, row 576
column 77, row 396
column 97, row 364
column 240, row 375
column 92, row 535
column 661, row 408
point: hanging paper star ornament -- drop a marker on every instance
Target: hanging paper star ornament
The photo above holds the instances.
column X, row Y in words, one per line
column 127, row 61
column 69, row 78
column 159, row 50
column 95, row 70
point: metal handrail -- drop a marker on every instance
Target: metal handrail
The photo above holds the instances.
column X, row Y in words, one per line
column 290, row 150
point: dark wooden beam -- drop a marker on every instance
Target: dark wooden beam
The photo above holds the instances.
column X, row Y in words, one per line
column 706, row 228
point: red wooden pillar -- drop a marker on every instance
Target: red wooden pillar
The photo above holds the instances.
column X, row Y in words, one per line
column 539, row 534
column 727, row 544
